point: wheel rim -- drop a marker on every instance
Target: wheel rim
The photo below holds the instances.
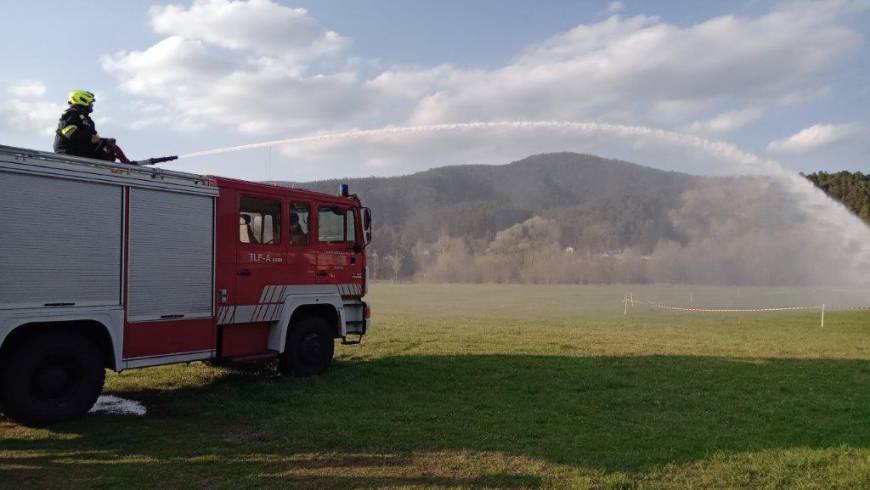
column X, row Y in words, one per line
column 55, row 378
column 311, row 350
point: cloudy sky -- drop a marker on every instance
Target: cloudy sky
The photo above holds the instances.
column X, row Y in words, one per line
column 787, row 80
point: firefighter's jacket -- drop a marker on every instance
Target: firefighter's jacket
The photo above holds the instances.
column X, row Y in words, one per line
column 74, row 133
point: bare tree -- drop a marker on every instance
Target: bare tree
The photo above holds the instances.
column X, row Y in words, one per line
column 395, row 261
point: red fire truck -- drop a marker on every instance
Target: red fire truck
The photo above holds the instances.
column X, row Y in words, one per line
column 109, row 266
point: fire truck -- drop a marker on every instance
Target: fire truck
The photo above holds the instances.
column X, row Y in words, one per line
column 112, row 266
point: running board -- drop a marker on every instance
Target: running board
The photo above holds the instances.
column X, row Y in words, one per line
column 357, row 328
column 358, row 340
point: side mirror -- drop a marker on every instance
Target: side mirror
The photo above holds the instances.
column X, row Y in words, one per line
column 367, row 225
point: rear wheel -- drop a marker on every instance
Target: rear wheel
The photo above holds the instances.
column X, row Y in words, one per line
column 51, row 378
column 309, row 349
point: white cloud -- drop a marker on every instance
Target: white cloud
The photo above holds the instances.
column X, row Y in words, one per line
column 676, row 110
column 238, row 63
column 805, row 95
column 205, row 86
column 726, row 122
column 26, row 111
column 261, row 26
column 819, row 137
column 232, row 63
column 615, row 7
column 643, row 62
column 27, row 89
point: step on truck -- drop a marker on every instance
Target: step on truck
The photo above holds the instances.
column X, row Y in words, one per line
column 112, row 266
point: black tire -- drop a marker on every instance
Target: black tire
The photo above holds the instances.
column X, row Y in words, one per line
column 309, row 348
column 51, row 378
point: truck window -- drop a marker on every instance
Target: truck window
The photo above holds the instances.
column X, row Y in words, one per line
column 331, row 224
column 260, row 221
column 350, row 230
column 299, row 225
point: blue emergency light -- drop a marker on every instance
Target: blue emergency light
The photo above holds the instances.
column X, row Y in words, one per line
column 344, row 189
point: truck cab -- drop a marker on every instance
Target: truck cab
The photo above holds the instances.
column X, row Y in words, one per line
column 276, row 244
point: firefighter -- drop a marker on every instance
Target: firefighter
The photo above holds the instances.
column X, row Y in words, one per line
column 76, row 134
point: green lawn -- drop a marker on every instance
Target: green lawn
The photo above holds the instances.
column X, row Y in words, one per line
column 500, row 387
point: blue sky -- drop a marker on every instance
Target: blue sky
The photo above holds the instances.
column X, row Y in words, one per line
column 786, row 80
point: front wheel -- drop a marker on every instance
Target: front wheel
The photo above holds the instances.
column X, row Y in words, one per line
column 51, row 378
column 309, row 348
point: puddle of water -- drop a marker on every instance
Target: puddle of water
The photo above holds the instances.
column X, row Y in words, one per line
column 114, row 405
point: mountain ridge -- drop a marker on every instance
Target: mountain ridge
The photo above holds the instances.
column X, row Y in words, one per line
column 599, row 204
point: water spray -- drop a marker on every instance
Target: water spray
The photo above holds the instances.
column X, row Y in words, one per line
column 720, row 148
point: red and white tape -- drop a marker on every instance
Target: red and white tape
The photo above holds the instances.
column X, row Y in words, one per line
column 630, row 300
column 724, row 310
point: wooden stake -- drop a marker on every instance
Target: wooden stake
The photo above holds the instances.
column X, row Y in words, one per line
column 823, row 316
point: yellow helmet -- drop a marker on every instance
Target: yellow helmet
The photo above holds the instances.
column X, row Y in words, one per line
column 81, row 97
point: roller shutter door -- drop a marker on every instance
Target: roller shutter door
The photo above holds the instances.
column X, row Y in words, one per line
column 60, row 242
column 171, row 250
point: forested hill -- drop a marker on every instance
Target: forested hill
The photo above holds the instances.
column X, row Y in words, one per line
column 600, row 204
column 850, row 188
column 573, row 218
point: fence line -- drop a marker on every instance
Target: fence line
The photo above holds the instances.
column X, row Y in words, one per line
column 630, row 300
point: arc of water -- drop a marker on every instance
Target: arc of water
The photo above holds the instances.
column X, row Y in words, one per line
column 723, row 149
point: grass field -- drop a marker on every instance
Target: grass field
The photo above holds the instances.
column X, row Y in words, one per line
column 500, row 387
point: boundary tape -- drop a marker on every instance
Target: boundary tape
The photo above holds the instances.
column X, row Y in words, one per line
column 726, row 310
column 630, row 300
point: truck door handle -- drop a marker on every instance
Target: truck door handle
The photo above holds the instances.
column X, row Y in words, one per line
column 244, row 272
column 353, row 260
column 322, row 273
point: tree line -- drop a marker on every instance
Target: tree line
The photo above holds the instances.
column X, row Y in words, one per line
column 850, row 188
column 740, row 231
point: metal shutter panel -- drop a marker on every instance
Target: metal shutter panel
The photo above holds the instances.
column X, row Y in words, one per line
column 60, row 242
column 171, row 250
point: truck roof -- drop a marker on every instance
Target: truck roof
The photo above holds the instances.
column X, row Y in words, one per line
column 42, row 162
column 246, row 185
column 23, row 160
